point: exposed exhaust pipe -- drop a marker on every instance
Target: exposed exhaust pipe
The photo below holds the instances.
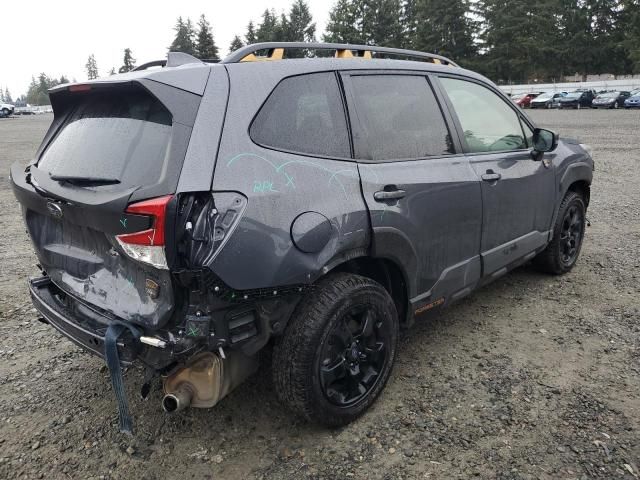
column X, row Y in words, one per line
column 205, row 379
column 178, row 400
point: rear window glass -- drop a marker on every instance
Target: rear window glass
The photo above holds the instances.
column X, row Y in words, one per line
column 116, row 135
column 304, row 114
column 399, row 118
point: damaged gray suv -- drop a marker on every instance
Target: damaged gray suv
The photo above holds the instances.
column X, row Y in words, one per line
column 187, row 215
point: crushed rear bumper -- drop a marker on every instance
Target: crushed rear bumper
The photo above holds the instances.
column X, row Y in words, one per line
column 79, row 323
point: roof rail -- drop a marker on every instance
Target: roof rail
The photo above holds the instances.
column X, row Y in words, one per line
column 174, row 59
column 275, row 51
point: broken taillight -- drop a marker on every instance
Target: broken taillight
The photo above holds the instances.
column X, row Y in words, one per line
column 148, row 245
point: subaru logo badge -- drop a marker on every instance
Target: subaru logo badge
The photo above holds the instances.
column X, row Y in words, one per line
column 54, row 209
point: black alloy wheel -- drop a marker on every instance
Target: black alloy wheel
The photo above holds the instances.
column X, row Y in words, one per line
column 562, row 252
column 338, row 349
column 353, row 355
column 571, row 235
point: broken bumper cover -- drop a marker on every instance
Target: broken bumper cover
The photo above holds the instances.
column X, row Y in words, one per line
column 79, row 323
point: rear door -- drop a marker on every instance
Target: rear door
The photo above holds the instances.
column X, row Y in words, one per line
column 423, row 197
column 518, row 193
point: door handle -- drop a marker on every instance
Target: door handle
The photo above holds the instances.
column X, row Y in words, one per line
column 491, row 177
column 386, row 195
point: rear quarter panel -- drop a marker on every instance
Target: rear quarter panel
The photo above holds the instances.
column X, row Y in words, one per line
column 280, row 187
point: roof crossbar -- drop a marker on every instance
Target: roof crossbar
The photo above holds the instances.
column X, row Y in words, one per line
column 275, row 51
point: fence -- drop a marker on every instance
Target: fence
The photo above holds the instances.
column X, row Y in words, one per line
column 626, row 84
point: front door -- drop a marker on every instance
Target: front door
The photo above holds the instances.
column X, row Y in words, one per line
column 517, row 192
column 423, row 196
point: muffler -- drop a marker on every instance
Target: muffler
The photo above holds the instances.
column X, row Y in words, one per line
column 205, row 379
column 178, row 400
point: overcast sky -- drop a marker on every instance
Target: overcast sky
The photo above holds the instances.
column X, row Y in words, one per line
column 57, row 37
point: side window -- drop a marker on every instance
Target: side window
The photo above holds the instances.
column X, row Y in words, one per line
column 397, row 117
column 304, row 114
column 528, row 133
column 489, row 124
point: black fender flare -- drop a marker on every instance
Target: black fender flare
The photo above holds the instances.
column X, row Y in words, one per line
column 393, row 244
column 576, row 172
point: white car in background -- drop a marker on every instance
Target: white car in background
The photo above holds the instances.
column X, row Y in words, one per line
column 6, row 109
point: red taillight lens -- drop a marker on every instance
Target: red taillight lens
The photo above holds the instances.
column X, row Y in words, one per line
column 156, row 208
column 147, row 246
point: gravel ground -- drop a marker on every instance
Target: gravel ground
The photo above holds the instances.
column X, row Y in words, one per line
column 532, row 377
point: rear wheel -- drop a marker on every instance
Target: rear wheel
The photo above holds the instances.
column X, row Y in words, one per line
column 616, row 105
column 562, row 253
column 337, row 352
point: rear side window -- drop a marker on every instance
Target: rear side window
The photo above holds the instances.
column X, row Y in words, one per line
column 304, row 114
column 488, row 122
column 114, row 135
column 398, row 118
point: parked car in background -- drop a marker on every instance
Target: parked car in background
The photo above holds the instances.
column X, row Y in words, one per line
column 6, row 109
column 524, row 99
column 610, row 99
column 556, row 101
column 544, row 100
column 633, row 101
column 578, row 99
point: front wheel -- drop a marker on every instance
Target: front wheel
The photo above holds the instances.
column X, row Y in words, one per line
column 616, row 105
column 5, row 112
column 337, row 352
column 562, row 253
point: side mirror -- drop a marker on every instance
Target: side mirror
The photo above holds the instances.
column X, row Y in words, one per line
column 544, row 141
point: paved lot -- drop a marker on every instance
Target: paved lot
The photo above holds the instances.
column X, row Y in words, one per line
column 532, row 377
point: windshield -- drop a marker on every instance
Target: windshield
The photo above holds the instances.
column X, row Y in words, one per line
column 573, row 95
column 545, row 96
column 609, row 95
column 120, row 136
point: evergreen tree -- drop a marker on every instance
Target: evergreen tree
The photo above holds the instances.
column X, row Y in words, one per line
column 63, row 80
column 630, row 18
column 184, row 39
column 250, row 36
column 445, row 28
column 236, row 43
column 591, row 36
column 519, row 40
column 129, row 63
column 342, row 26
column 409, row 21
column 382, row 23
column 269, row 29
column 112, row 71
column 205, row 46
column 91, row 67
column 372, row 22
column 7, row 96
column 299, row 27
column 38, row 90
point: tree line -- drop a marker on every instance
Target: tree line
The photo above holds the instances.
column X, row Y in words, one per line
column 509, row 41
column 513, row 41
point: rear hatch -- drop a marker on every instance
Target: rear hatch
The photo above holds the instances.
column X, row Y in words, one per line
column 98, row 198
